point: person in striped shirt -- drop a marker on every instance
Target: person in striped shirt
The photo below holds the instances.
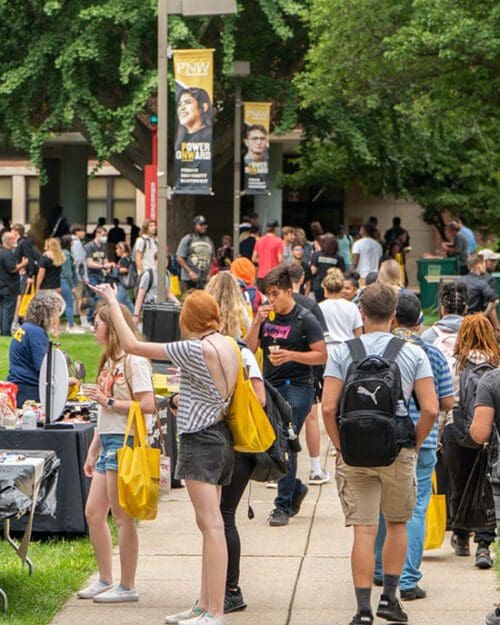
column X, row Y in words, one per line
column 406, row 322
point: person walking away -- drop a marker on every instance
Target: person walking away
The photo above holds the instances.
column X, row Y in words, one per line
column 459, row 246
column 195, row 255
column 26, row 248
column 476, row 352
column 323, row 260
column 134, row 232
column 343, row 319
column 226, row 292
column 345, row 245
column 486, row 418
column 69, row 280
column 453, row 304
column 10, row 286
column 209, row 368
column 268, row 252
column 408, row 311
column 244, row 270
column 317, row 476
column 146, row 246
column 299, row 340
column 366, row 252
column 248, row 238
column 122, row 378
column 48, row 277
column 365, row 491
column 482, row 297
column 147, row 290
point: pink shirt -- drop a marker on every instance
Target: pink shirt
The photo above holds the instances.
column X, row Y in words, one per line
column 270, row 251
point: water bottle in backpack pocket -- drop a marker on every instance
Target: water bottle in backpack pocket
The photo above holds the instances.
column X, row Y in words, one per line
column 373, row 420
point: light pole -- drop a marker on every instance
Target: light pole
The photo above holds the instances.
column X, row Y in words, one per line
column 240, row 70
column 186, row 8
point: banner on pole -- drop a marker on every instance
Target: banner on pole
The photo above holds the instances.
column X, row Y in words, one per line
column 194, row 74
column 151, row 192
column 257, row 118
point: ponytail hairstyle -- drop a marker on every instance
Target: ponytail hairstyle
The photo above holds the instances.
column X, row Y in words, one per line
column 453, row 298
column 333, row 282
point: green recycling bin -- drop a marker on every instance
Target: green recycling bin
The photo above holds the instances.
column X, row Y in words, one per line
column 430, row 271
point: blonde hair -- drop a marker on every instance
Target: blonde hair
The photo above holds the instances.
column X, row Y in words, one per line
column 54, row 246
column 333, row 282
column 390, row 273
column 227, row 293
column 113, row 350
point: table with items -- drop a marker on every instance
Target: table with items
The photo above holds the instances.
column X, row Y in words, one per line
column 28, row 480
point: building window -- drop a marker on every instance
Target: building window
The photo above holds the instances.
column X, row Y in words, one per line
column 32, row 198
column 97, row 202
column 109, row 197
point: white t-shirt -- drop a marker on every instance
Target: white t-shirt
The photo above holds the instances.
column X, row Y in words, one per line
column 369, row 252
column 149, row 248
column 412, row 360
column 251, row 364
column 112, row 381
column 342, row 318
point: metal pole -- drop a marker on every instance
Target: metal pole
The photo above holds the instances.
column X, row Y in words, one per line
column 163, row 191
column 237, row 168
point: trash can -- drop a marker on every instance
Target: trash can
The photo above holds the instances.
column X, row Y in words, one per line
column 429, row 272
column 160, row 322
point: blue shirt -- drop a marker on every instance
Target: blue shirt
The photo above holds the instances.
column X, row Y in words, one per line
column 471, row 238
column 443, row 381
column 27, row 349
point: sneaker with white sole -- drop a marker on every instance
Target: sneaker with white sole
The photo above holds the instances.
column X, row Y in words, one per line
column 117, row 594
column 74, row 330
column 323, row 477
column 272, row 485
column 204, row 619
column 192, row 614
column 96, row 588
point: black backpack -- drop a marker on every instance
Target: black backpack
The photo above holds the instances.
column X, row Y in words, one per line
column 463, row 413
column 129, row 280
column 273, row 464
column 373, row 420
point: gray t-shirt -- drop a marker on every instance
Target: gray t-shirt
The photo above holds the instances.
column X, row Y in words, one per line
column 488, row 393
column 198, row 250
column 412, row 360
column 461, row 245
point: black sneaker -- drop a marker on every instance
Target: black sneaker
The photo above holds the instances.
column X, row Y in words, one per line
column 362, row 618
column 483, row 557
column 278, row 518
column 233, row 601
column 377, row 581
column 298, row 499
column 391, row 610
column 461, row 546
column 410, row 594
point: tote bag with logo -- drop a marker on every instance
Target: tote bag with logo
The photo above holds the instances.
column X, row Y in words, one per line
column 138, row 470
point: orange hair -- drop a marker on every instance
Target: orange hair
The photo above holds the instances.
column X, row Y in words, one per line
column 476, row 334
column 200, row 314
column 244, row 269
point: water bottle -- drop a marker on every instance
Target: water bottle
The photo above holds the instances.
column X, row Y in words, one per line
column 29, row 419
column 401, row 409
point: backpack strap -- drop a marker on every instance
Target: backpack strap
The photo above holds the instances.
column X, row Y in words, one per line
column 356, row 349
column 393, row 348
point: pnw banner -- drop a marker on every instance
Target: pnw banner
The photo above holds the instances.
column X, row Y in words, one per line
column 257, row 117
column 194, row 121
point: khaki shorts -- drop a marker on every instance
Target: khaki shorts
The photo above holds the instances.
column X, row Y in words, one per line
column 365, row 492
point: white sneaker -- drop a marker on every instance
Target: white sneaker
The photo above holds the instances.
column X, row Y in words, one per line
column 96, row 588
column 319, row 478
column 272, row 485
column 193, row 614
column 117, row 594
column 204, row 619
column 75, row 330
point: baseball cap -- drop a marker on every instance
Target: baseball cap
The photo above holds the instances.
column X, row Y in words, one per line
column 488, row 254
column 199, row 220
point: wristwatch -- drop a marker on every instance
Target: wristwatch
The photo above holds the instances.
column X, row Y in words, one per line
column 110, row 402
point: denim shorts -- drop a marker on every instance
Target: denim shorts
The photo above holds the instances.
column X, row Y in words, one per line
column 110, row 444
column 206, row 456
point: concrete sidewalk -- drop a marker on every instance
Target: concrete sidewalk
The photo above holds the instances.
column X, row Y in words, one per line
column 296, row 575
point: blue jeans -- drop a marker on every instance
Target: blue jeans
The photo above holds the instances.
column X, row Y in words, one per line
column 411, row 574
column 68, row 299
column 300, row 399
column 92, row 298
column 124, row 298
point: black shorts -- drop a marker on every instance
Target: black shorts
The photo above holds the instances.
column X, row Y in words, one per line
column 206, row 456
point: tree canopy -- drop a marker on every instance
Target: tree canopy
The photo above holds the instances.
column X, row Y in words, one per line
column 401, row 97
column 90, row 66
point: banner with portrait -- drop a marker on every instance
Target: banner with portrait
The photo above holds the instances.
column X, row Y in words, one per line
column 257, row 121
column 194, row 76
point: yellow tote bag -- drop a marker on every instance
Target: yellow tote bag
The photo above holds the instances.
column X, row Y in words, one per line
column 138, row 470
column 26, row 299
column 436, row 519
column 175, row 285
column 246, row 419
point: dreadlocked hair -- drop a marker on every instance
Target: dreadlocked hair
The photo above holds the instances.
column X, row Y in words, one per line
column 476, row 334
column 453, row 298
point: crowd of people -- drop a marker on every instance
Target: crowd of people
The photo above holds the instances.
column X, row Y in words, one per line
column 329, row 325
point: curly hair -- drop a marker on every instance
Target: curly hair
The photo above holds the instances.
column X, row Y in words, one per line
column 42, row 310
column 225, row 290
column 476, row 334
column 453, row 298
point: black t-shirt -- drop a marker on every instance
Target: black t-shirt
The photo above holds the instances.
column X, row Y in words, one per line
column 246, row 247
column 324, row 262
column 52, row 278
column 9, row 277
column 295, row 332
column 98, row 254
column 479, row 292
column 313, row 306
column 27, row 248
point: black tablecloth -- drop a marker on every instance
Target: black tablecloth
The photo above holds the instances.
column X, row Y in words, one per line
column 72, row 487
